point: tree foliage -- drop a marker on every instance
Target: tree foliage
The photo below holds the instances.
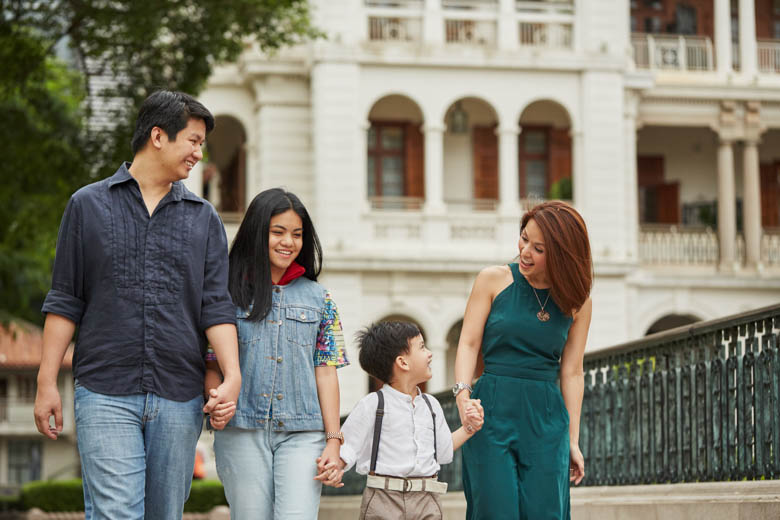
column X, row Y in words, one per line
column 67, row 125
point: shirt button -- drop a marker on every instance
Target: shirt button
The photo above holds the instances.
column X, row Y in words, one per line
column 279, row 359
column 279, row 397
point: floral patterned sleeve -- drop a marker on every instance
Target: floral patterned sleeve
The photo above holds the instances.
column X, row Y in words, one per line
column 330, row 349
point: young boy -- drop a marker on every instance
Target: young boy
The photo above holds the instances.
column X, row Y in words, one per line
column 398, row 435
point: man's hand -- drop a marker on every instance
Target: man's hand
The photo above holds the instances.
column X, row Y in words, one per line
column 48, row 403
column 222, row 402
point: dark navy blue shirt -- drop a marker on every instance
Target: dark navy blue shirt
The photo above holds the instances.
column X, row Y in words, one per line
column 141, row 289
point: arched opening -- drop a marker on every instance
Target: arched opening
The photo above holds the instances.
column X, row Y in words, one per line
column 471, row 155
column 375, row 384
column 395, row 177
column 545, row 153
column 453, row 337
column 224, row 173
column 671, row 321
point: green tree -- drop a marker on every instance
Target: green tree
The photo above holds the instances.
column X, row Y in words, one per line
column 63, row 128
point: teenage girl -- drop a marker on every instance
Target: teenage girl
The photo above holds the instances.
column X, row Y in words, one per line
column 286, row 426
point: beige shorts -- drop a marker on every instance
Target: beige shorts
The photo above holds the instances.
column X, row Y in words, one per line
column 384, row 504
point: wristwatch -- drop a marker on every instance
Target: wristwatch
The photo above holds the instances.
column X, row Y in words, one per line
column 458, row 387
column 334, row 435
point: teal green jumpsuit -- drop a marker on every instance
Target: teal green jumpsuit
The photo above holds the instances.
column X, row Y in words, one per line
column 517, row 466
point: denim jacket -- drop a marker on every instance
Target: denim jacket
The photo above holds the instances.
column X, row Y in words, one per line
column 277, row 361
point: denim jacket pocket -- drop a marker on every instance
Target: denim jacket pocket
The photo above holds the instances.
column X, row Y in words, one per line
column 302, row 324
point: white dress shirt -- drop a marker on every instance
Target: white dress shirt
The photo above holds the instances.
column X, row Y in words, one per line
column 406, row 444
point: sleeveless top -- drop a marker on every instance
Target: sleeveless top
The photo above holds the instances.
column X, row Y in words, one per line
column 515, row 343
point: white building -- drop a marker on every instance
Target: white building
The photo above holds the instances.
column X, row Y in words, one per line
column 418, row 131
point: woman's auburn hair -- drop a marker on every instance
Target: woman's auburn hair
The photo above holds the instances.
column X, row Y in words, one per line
column 567, row 252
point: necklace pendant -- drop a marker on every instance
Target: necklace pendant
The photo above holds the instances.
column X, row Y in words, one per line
column 543, row 315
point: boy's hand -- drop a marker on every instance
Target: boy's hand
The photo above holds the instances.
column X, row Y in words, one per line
column 330, row 473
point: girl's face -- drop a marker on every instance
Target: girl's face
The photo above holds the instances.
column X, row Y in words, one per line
column 285, row 239
column 532, row 258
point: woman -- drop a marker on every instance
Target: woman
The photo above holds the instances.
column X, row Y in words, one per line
column 531, row 320
column 290, row 344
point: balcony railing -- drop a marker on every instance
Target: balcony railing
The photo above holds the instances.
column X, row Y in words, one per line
column 672, row 245
column 667, row 52
column 396, row 203
column 769, row 56
column 473, row 32
column 698, row 403
column 546, row 35
column 16, row 413
column 549, row 7
column 395, row 29
column 770, row 247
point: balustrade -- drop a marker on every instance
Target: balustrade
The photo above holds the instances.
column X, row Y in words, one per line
column 672, row 52
column 768, row 56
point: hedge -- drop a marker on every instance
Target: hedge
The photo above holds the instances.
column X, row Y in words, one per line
column 66, row 495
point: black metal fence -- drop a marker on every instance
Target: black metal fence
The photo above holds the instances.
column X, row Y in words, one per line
column 697, row 403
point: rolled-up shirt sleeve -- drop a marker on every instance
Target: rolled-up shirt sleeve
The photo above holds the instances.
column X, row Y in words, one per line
column 217, row 306
column 66, row 297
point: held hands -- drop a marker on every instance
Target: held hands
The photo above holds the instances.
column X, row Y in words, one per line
column 576, row 464
column 330, row 467
column 221, row 405
column 472, row 415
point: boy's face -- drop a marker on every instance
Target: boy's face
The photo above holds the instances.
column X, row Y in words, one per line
column 419, row 360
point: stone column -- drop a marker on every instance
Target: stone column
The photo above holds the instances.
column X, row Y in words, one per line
column 747, row 38
column 631, row 126
column 751, row 204
column 578, row 170
column 508, row 36
column 508, row 174
column 433, row 23
column 727, row 205
column 434, row 168
column 723, row 37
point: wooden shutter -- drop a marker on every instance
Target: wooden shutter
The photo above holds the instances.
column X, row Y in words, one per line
column 668, row 203
column 650, row 170
column 770, row 195
column 485, row 160
column 414, row 177
column 560, row 155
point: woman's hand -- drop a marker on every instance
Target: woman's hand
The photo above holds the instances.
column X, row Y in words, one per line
column 576, row 464
column 330, row 467
column 470, row 421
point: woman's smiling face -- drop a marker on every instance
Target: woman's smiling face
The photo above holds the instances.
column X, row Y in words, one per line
column 532, row 258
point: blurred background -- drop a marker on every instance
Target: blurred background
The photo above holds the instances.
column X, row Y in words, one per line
column 416, row 132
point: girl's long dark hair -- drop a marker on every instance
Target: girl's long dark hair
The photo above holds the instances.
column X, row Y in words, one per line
column 249, row 280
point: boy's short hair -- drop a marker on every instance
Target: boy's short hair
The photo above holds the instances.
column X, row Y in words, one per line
column 171, row 111
column 381, row 343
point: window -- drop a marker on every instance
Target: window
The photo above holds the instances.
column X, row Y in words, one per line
column 533, row 162
column 394, row 165
column 24, row 461
column 386, row 161
column 26, row 387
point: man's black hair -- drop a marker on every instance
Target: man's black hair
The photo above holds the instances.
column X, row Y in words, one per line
column 381, row 343
column 249, row 279
column 170, row 111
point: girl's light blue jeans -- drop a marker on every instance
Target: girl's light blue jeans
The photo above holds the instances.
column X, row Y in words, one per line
column 137, row 454
column 268, row 474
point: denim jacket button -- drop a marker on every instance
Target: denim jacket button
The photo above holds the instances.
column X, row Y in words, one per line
column 277, row 289
column 280, row 424
column 279, row 359
column 303, row 316
column 279, row 397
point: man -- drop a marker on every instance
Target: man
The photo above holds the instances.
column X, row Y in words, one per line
column 141, row 269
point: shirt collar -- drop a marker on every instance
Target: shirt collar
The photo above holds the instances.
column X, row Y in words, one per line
column 294, row 271
column 178, row 190
column 398, row 394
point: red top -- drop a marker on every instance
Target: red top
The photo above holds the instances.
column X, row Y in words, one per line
column 295, row 270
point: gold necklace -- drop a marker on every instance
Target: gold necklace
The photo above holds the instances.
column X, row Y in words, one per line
column 542, row 315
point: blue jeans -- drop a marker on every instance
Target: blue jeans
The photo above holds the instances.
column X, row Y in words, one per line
column 269, row 475
column 137, row 454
